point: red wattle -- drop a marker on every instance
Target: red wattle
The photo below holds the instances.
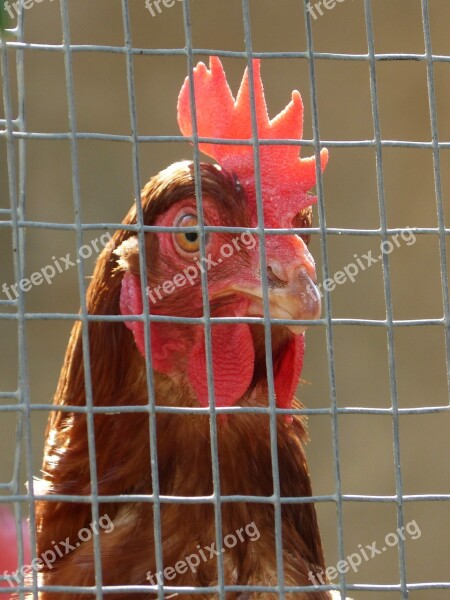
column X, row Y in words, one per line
column 287, row 371
column 232, row 348
column 233, row 359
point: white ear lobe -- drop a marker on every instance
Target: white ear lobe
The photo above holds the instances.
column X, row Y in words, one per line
column 126, row 250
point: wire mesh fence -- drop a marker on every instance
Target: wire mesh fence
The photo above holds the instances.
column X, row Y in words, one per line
column 17, row 135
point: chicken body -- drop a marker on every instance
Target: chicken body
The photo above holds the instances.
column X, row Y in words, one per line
column 183, row 465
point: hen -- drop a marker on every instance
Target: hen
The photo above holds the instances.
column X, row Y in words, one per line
column 120, row 443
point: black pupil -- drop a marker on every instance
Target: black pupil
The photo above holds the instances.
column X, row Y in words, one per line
column 191, row 237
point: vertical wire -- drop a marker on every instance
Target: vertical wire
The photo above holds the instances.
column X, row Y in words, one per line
column 266, row 307
column 206, row 308
column 327, row 303
column 437, row 179
column 82, row 288
column 387, row 293
column 18, row 246
column 145, row 301
column 22, row 144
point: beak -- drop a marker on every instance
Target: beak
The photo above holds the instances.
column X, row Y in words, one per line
column 293, row 297
column 291, row 276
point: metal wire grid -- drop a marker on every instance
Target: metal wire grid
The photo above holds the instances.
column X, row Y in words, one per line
column 14, row 130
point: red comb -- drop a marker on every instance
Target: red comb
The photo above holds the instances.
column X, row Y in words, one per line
column 285, row 177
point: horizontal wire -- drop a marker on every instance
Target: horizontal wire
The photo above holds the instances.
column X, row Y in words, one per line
column 224, row 53
column 109, row 137
column 168, row 589
column 228, row 410
column 150, row 498
column 222, row 229
column 222, row 320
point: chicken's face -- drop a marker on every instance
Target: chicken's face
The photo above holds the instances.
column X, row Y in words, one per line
column 234, row 289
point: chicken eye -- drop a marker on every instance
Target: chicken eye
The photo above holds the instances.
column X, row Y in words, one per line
column 189, row 241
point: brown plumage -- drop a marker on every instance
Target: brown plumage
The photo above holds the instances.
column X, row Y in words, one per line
column 122, row 449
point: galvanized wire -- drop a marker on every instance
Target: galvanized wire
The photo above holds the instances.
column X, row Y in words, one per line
column 17, row 202
column 13, row 129
column 387, row 296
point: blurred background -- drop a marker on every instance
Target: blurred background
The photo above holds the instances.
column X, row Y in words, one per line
column 365, row 441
